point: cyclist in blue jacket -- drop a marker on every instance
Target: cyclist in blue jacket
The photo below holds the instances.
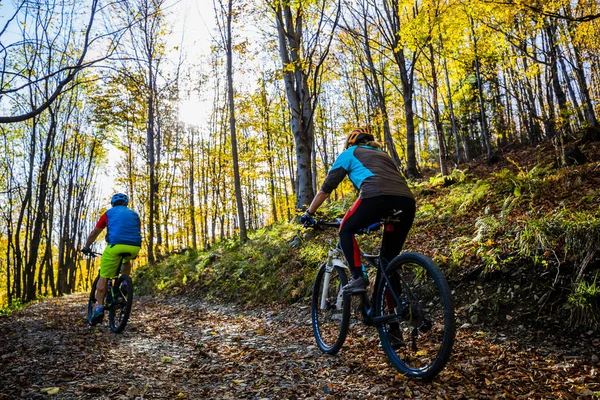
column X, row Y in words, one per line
column 123, row 236
column 381, row 189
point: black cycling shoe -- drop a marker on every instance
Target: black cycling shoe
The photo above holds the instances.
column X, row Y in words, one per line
column 355, row 286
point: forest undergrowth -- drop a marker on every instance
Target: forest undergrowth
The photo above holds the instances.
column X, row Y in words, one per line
column 518, row 239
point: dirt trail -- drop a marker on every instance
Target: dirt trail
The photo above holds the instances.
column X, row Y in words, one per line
column 180, row 348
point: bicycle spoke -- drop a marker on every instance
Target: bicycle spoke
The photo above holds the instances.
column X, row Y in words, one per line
column 330, row 309
column 121, row 308
column 419, row 341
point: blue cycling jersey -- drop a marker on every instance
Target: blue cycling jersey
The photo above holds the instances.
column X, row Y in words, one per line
column 370, row 170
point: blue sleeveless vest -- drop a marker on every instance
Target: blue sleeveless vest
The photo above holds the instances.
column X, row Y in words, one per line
column 123, row 226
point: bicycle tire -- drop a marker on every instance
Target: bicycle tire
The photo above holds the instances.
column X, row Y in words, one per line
column 330, row 325
column 120, row 310
column 92, row 301
column 427, row 325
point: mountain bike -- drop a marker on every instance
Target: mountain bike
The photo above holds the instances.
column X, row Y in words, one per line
column 118, row 300
column 409, row 295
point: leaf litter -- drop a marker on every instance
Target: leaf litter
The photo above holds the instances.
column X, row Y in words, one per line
column 175, row 348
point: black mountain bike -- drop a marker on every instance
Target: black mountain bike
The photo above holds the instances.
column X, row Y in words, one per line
column 409, row 295
column 118, row 300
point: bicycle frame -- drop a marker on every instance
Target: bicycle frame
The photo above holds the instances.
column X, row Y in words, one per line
column 332, row 261
column 409, row 302
column 335, row 258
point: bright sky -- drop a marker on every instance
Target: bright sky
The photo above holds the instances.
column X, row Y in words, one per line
column 194, row 21
column 193, row 26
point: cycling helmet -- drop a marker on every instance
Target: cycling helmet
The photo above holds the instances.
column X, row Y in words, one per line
column 119, row 198
column 359, row 135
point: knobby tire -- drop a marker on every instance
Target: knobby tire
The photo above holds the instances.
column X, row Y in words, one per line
column 330, row 325
column 428, row 322
column 119, row 312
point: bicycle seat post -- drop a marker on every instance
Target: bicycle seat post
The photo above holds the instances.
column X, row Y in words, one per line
column 122, row 255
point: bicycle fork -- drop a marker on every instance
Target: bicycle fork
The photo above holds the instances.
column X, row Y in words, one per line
column 332, row 262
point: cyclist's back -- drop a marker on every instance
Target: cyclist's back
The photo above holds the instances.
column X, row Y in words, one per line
column 124, row 241
column 123, row 226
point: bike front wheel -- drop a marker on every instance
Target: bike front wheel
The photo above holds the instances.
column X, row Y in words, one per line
column 330, row 309
column 416, row 312
column 121, row 307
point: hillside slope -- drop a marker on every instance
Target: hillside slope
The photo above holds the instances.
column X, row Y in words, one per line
column 517, row 238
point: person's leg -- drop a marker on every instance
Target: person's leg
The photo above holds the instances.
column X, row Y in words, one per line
column 126, row 268
column 395, row 234
column 108, row 269
column 131, row 250
column 101, row 291
column 353, row 221
column 363, row 213
column 392, row 242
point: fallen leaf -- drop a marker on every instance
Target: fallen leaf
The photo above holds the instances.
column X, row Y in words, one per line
column 50, row 390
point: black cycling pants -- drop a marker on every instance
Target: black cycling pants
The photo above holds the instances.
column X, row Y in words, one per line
column 365, row 212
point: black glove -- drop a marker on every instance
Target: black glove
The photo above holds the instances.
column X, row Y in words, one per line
column 307, row 219
column 87, row 251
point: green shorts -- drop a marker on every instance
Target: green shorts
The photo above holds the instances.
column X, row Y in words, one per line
column 111, row 258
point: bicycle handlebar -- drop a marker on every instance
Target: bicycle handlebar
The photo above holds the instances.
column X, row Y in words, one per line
column 338, row 222
column 91, row 254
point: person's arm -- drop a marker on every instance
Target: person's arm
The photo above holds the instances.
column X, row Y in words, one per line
column 93, row 236
column 317, row 201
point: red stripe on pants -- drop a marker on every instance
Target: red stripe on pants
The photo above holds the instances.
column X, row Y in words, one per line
column 356, row 249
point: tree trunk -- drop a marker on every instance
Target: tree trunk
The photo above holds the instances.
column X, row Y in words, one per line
column 483, row 120
column 232, row 128
column 452, row 117
column 436, row 113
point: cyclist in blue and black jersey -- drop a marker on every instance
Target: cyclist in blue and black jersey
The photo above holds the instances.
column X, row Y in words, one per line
column 381, row 189
column 122, row 236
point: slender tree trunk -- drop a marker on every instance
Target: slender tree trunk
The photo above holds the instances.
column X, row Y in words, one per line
column 572, row 95
column 483, row 120
column 452, row 117
column 40, row 214
column 232, row 128
column 192, row 184
column 590, row 114
column 436, row 113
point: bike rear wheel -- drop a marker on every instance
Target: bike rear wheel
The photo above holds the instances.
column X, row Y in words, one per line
column 330, row 309
column 424, row 318
column 92, row 301
column 121, row 307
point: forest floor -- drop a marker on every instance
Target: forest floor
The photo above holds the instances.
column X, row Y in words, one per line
column 178, row 347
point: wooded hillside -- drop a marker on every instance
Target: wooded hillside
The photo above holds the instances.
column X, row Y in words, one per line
column 90, row 90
